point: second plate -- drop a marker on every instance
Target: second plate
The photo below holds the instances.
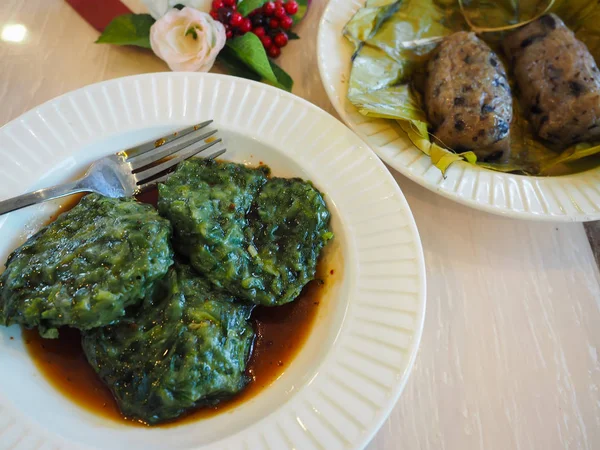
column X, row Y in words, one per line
column 572, row 198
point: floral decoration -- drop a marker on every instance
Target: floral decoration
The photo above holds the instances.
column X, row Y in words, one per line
column 244, row 36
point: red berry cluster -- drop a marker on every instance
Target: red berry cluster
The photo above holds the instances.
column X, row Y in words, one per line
column 225, row 11
column 269, row 23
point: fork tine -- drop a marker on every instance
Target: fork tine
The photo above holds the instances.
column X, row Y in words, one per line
column 149, row 184
column 147, row 146
column 137, row 162
column 216, row 154
column 186, row 153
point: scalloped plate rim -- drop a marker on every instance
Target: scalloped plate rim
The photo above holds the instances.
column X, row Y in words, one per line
column 417, row 265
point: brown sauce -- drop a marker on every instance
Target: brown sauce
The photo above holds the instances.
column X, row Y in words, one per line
column 280, row 334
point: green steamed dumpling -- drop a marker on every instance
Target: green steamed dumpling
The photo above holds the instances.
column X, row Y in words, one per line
column 257, row 238
column 286, row 238
column 186, row 346
column 85, row 268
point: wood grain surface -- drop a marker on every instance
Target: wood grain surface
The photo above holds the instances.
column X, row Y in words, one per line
column 509, row 356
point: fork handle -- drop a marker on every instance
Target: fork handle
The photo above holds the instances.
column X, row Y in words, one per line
column 33, row 198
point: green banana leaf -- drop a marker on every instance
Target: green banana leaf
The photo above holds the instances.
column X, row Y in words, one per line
column 502, row 13
column 369, row 18
column 386, row 77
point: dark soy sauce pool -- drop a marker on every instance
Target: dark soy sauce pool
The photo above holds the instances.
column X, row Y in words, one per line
column 280, row 334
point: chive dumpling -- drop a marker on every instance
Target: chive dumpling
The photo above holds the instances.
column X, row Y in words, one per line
column 186, row 346
column 256, row 237
column 207, row 202
column 285, row 239
column 85, row 268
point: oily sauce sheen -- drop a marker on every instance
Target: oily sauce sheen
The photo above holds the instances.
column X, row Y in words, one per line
column 280, row 333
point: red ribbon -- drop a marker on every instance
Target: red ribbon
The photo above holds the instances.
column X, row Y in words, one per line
column 99, row 13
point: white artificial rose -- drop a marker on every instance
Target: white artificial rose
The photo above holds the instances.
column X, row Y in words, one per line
column 188, row 40
column 158, row 8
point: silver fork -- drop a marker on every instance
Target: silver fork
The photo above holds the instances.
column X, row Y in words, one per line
column 128, row 172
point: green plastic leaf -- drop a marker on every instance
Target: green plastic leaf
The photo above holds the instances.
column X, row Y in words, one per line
column 292, row 36
column 248, row 49
column 128, row 29
column 245, row 7
column 238, row 68
column 302, row 10
column 283, row 78
column 235, row 66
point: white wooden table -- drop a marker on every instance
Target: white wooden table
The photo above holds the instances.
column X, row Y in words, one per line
column 509, row 356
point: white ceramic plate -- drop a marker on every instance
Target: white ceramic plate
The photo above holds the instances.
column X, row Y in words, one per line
column 345, row 380
column 573, row 198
